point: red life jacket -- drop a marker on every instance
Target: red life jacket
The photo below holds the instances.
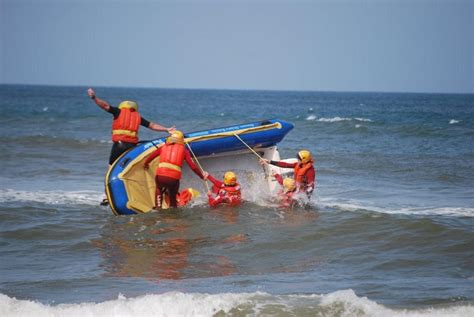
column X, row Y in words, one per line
column 231, row 194
column 125, row 126
column 183, row 198
column 171, row 160
column 300, row 172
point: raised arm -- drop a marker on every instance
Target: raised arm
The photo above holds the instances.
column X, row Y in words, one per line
column 101, row 103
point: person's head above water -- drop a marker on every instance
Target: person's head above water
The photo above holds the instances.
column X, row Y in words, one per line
column 230, row 178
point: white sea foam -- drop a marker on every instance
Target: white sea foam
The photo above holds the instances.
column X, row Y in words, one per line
column 352, row 305
column 442, row 211
column 168, row 304
column 311, row 117
column 339, row 303
column 256, row 195
column 452, row 121
column 339, row 119
column 51, row 197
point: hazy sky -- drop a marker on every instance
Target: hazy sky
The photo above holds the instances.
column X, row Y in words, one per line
column 422, row 46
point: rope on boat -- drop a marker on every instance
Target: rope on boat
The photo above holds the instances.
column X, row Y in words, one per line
column 199, row 164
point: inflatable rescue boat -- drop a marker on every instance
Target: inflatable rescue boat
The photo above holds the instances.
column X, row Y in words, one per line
column 130, row 188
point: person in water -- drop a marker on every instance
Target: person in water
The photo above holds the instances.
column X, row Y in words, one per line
column 226, row 192
column 125, row 126
column 286, row 193
column 168, row 174
column 304, row 171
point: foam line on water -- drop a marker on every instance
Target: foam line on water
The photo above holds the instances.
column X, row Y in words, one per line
column 357, row 206
column 313, row 117
column 339, row 119
column 51, row 197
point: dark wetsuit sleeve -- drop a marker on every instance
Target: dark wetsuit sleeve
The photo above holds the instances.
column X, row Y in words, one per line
column 283, row 164
column 144, row 122
column 115, row 111
column 192, row 165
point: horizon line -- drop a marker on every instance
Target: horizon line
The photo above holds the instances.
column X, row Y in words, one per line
column 240, row 89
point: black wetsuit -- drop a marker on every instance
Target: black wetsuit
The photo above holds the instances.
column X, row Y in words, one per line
column 120, row 147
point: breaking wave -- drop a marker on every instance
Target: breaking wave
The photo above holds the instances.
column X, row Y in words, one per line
column 339, row 303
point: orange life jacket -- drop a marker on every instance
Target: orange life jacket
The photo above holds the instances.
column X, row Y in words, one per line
column 125, row 126
column 183, row 198
column 171, row 160
column 231, row 194
column 300, row 172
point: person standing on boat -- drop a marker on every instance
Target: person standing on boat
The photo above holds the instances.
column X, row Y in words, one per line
column 304, row 171
column 125, row 126
column 227, row 192
column 168, row 174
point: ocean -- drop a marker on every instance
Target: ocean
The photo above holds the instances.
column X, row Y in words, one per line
column 389, row 231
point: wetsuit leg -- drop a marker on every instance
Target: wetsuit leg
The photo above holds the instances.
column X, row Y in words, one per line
column 118, row 149
column 173, row 190
column 158, row 194
column 170, row 184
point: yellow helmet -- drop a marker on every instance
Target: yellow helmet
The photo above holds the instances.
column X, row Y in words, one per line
column 176, row 137
column 230, row 178
column 128, row 105
column 304, row 156
column 289, row 184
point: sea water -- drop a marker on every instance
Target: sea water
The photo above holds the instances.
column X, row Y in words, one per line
column 389, row 231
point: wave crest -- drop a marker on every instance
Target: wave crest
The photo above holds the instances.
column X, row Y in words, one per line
column 313, row 117
column 339, row 303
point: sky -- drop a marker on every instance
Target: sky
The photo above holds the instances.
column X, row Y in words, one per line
column 351, row 45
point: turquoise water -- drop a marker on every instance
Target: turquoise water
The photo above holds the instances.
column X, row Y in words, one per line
column 390, row 230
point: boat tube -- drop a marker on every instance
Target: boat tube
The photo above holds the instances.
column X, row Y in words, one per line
column 130, row 188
